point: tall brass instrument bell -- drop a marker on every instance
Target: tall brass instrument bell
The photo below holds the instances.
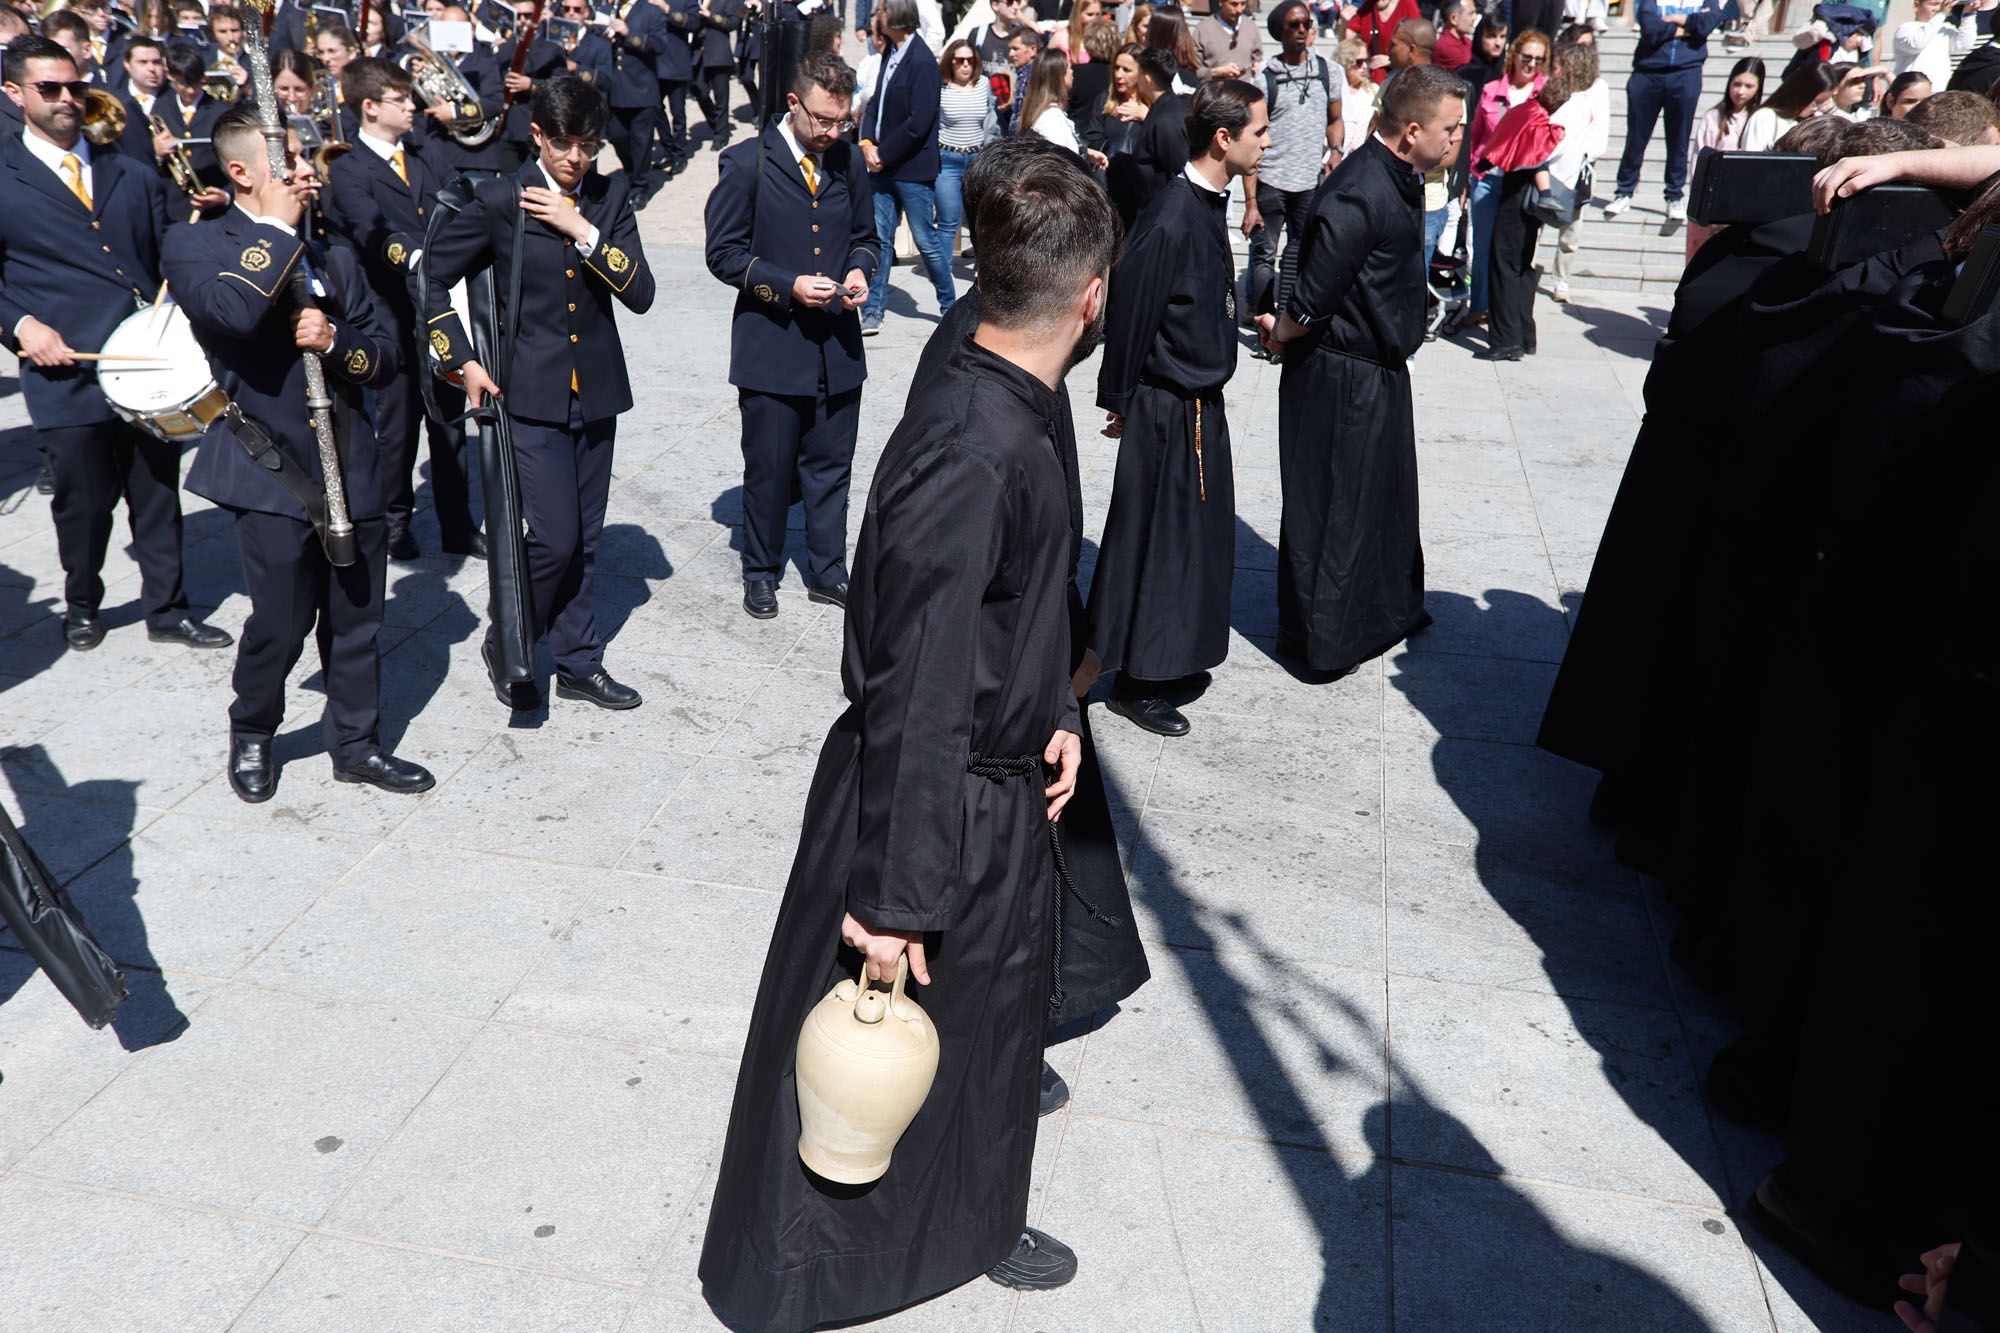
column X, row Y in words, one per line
column 103, row 117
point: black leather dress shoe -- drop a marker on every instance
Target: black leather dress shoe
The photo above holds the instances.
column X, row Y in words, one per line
column 833, row 594
column 597, row 688
column 1498, row 354
column 1038, row 1263
column 403, row 544
column 473, row 549
column 253, row 773
column 389, row 773
column 82, row 630
column 45, row 479
column 1055, row 1092
column 760, row 598
column 1151, row 714
column 191, row 633
column 520, row 698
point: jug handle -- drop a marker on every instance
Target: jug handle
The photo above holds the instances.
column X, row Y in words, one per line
column 861, row 983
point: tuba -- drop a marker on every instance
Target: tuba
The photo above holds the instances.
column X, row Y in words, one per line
column 439, row 83
column 103, row 117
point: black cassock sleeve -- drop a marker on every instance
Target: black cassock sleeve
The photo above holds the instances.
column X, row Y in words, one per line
column 1142, row 282
column 941, row 529
column 1330, row 257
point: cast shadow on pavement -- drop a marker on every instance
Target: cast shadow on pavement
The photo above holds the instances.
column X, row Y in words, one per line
column 67, row 825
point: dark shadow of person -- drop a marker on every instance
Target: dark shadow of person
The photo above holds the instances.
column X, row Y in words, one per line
column 1618, row 331
column 84, row 833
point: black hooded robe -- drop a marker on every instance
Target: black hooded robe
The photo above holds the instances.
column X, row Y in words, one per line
column 956, row 643
column 1350, row 558
column 1159, row 603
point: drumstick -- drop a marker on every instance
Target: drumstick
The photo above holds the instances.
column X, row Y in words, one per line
column 113, row 356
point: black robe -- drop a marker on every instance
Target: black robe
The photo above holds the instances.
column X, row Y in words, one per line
column 1103, row 959
column 1159, row 604
column 1350, row 560
column 1159, row 154
column 955, row 647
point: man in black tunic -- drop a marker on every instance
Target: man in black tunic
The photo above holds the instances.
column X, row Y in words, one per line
column 1350, row 560
column 1159, row 605
column 926, row 829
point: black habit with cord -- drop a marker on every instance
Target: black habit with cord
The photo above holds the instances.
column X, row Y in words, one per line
column 1103, row 959
column 1350, row 558
column 955, row 649
column 1159, row 603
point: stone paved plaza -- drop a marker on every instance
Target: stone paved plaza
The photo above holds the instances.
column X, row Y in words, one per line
column 1411, row 1057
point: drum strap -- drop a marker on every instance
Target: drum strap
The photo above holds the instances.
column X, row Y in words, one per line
column 266, row 453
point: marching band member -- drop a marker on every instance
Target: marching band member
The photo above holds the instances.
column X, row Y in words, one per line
column 546, row 60
column 566, row 380
column 80, row 252
column 232, row 276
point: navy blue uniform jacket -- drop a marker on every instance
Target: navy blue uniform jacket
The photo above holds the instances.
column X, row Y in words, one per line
column 635, row 80
column 567, row 323
column 384, row 219
column 903, row 119
column 80, row 271
column 231, row 274
column 724, row 17
column 681, row 19
column 759, row 240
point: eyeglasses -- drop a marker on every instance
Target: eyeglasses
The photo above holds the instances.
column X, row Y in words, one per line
column 51, row 90
column 586, row 148
column 1525, row 59
column 821, row 125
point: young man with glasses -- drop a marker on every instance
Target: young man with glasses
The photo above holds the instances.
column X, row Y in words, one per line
column 81, row 252
column 791, row 226
column 379, row 197
column 566, row 377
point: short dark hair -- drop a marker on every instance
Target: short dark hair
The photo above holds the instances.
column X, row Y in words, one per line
column 1420, row 33
column 61, row 22
column 824, row 70
column 1879, row 134
column 185, row 63
column 145, row 43
column 1959, row 116
column 1412, row 97
column 23, row 49
column 238, row 135
column 367, row 78
column 222, row 11
column 568, row 108
column 1041, row 239
column 1219, row 104
column 1157, row 64
column 998, row 162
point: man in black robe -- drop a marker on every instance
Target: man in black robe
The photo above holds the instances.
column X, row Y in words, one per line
column 1162, row 149
column 1350, row 559
column 926, row 829
column 1159, row 604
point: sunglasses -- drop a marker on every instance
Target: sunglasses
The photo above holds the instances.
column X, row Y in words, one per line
column 51, row 90
column 965, row 60
column 1526, row 59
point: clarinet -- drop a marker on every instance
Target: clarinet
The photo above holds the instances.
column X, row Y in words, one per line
column 338, row 539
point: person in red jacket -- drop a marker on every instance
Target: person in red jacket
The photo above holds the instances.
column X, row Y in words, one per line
column 1374, row 26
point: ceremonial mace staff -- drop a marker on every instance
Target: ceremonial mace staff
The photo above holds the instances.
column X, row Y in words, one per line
column 338, row 539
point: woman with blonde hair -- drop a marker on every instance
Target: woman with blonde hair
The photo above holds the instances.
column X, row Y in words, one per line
column 1046, row 110
column 1070, row 39
column 1126, row 102
column 1142, row 17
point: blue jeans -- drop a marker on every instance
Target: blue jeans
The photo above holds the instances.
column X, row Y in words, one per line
column 1485, row 210
column 916, row 201
column 1434, row 232
column 950, row 197
column 1647, row 93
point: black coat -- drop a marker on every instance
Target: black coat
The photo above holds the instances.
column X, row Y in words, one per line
column 384, row 219
column 489, row 85
column 199, row 125
column 634, row 78
column 568, row 324
column 903, row 113
column 1158, row 155
column 676, row 58
column 1350, row 560
column 1159, row 602
column 955, row 647
column 546, row 60
column 724, row 17
column 231, row 275
column 80, row 271
column 762, row 236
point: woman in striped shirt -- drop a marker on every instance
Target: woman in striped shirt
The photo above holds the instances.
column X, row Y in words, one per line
column 966, row 120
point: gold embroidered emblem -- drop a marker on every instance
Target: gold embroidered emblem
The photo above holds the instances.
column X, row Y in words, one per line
column 396, row 252
column 439, row 343
column 615, row 259
column 764, row 292
column 357, row 362
column 254, row 259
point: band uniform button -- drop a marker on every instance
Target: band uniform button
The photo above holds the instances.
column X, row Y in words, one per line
column 815, row 226
column 572, row 307
column 569, row 273
column 95, row 225
column 815, row 249
column 572, row 337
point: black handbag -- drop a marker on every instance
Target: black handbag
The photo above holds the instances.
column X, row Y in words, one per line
column 1560, row 204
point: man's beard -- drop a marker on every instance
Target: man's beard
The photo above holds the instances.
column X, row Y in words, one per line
column 1087, row 344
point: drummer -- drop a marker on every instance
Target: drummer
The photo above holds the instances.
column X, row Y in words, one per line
column 82, row 252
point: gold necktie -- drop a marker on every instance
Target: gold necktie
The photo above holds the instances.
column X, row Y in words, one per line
column 396, row 161
column 811, row 171
column 73, row 168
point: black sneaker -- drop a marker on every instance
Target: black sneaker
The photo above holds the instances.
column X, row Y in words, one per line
column 1055, row 1092
column 1039, row 1262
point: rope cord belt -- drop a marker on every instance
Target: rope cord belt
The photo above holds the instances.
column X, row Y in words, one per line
column 1029, row 766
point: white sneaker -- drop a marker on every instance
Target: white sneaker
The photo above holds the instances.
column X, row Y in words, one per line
column 1618, row 205
column 1561, row 292
column 1677, row 211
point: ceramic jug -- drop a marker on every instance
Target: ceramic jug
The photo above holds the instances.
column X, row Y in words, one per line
column 864, row 1065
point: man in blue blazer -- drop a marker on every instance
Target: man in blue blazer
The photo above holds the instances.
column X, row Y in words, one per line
column 675, row 62
column 232, row 274
column 791, row 227
column 636, row 38
column 899, row 141
column 79, row 253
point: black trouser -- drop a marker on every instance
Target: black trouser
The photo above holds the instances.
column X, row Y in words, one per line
column 632, row 140
column 565, row 473
column 674, row 120
column 713, row 93
column 1511, row 274
column 811, row 439
column 1288, row 209
column 399, row 411
column 291, row 587
column 94, row 465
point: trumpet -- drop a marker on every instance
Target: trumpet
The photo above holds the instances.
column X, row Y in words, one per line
column 180, row 165
column 103, row 117
column 439, row 83
column 219, row 80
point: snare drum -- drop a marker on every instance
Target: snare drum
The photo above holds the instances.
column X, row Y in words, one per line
column 170, row 392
